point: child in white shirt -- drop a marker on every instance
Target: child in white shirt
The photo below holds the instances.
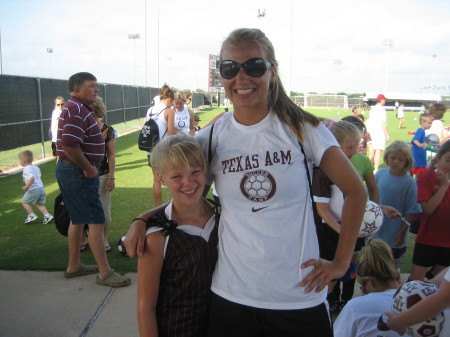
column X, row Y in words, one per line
column 34, row 188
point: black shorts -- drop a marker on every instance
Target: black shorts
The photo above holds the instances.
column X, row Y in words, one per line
column 328, row 241
column 398, row 253
column 428, row 256
column 237, row 320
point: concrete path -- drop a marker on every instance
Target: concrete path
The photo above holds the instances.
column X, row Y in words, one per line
column 36, row 304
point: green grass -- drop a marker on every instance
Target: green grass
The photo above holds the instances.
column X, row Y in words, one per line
column 41, row 247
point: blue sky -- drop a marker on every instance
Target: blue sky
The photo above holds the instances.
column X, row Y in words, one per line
column 336, row 45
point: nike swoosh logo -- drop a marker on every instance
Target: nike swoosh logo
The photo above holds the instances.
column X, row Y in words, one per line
column 254, row 210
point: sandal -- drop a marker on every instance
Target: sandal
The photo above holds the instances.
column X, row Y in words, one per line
column 83, row 247
column 83, row 270
column 113, row 279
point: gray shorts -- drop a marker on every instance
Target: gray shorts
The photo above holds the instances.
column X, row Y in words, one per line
column 36, row 196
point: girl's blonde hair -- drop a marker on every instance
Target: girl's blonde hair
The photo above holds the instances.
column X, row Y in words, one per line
column 180, row 95
column 443, row 149
column 345, row 132
column 404, row 149
column 377, row 262
column 99, row 108
column 286, row 110
column 176, row 152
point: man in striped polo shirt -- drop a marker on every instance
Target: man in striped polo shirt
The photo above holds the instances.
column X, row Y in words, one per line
column 80, row 147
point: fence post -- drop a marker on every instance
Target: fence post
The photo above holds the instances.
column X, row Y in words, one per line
column 40, row 117
column 123, row 107
column 138, row 106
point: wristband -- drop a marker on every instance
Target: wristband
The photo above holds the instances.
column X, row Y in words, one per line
column 111, row 177
column 142, row 219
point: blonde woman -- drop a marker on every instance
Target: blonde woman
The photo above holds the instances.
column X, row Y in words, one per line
column 379, row 279
column 269, row 279
column 184, row 117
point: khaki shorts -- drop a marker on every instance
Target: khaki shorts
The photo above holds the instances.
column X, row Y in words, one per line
column 105, row 197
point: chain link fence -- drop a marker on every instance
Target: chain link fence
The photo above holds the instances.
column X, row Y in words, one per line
column 26, row 105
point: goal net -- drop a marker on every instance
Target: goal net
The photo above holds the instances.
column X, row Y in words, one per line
column 322, row 101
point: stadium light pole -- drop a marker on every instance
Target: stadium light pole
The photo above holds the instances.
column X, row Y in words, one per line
column 50, row 51
column 261, row 14
column 145, row 38
column 432, row 72
column 134, row 37
column 388, row 43
column 290, row 52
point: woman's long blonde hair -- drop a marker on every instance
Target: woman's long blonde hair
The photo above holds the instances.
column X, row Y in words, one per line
column 286, row 110
column 377, row 262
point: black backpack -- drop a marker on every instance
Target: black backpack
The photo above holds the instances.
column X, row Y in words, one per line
column 62, row 219
column 149, row 135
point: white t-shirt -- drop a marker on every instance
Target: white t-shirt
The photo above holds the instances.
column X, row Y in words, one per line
column 267, row 228
column 54, row 123
column 377, row 117
column 360, row 316
column 32, row 171
column 436, row 127
column 156, row 99
column 182, row 120
column 400, row 113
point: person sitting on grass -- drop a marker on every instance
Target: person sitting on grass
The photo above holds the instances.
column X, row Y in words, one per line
column 379, row 281
column 34, row 189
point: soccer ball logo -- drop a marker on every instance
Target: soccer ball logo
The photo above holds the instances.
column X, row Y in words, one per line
column 408, row 295
column 121, row 246
column 258, row 185
column 372, row 219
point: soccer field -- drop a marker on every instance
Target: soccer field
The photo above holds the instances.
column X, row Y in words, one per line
column 41, row 247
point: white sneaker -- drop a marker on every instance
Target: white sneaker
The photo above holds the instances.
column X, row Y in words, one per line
column 30, row 218
column 47, row 218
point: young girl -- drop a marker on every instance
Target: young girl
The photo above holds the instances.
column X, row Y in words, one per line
column 175, row 271
column 437, row 110
column 397, row 189
column 379, row 281
column 184, row 117
column 433, row 240
column 329, row 199
column 366, row 140
column 362, row 163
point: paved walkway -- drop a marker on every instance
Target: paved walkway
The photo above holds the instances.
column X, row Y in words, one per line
column 36, row 304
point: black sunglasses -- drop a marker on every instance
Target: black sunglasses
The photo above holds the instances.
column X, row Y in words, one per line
column 255, row 67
